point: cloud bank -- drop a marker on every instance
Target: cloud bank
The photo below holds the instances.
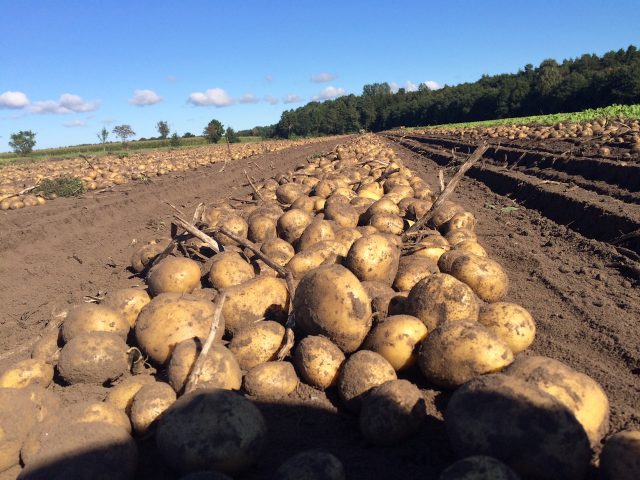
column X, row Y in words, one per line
column 216, row 97
column 143, row 98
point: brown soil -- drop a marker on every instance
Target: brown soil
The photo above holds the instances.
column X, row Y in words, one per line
column 585, row 303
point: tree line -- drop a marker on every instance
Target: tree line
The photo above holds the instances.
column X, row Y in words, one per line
column 589, row 81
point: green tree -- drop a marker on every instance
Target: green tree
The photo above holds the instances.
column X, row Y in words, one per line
column 123, row 132
column 231, row 135
column 103, row 136
column 213, row 131
column 23, row 142
column 163, row 129
column 188, row 135
column 175, row 140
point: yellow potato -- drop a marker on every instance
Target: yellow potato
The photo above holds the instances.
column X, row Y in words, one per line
column 271, row 380
column 174, row 275
column 151, row 401
column 228, row 269
column 121, row 395
column 292, row 224
column 412, row 269
column 128, row 302
column 316, row 231
column 511, row 322
column 26, row 373
column 396, row 338
column 311, row 464
column 373, row 258
column 485, row 276
column 361, row 372
column 318, row 361
column 89, row 317
column 257, row 343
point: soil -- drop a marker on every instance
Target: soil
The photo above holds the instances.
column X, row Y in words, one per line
column 582, row 293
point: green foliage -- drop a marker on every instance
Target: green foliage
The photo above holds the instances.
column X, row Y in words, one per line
column 61, row 187
column 123, row 132
column 103, row 135
column 23, row 142
column 175, row 140
column 163, row 129
column 188, row 135
column 213, row 131
column 231, row 135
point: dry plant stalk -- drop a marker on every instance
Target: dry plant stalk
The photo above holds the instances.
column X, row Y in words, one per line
column 255, row 190
column 193, row 230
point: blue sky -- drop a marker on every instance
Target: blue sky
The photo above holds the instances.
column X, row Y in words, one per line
column 68, row 68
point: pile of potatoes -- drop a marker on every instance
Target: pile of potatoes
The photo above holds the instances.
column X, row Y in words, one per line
column 104, row 172
column 372, row 317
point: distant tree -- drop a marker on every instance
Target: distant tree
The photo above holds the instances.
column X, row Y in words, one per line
column 231, row 135
column 175, row 140
column 188, row 135
column 163, row 129
column 103, row 136
column 23, row 142
column 213, row 131
column 123, row 132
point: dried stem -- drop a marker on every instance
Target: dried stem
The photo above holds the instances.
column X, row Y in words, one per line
column 193, row 230
column 255, row 190
column 441, row 180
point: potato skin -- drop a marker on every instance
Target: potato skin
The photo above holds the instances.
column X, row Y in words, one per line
column 292, row 224
column 478, row 467
column 311, row 465
column 197, row 432
column 228, row 269
column 412, row 269
column 373, row 258
column 278, row 250
column 440, row 298
column 145, row 254
column 395, row 338
column 257, row 343
column 519, row 424
column 128, row 302
column 89, row 317
column 485, row 276
column 174, row 275
column 271, row 380
column 318, row 361
column 151, row 401
column 121, row 395
column 392, row 412
column 331, row 301
column 620, row 458
column 48, row 347
column 316, row 231
column 361, row 372
column 26, row 373
column 511, row 322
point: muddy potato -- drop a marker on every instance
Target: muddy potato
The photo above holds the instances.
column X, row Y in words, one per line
column 145, row 254
column 121, row 395
column 471, row 246
column 459, row 235
column 373, row 258
column 47, row 349
column 278, row 250
column 308, row 204
column 478, row 467
column 174, row 275
column 516, row 422
column 271, row 380
column 392, row 412
column 311, row 465
column 456, row 352
column 361, row 372
column 338, row 209
column 220, row 368
column 292, row 224
column 485, row 276
column 324, row 188
column 318, row 361
column 89, row 317
column 386, row 223
column 380, row 207
column 288, row 193
column 465, row 220
column 197, row 432
column 257, row 343
column 393, row 303
column 331, row 301
column 412, row 269
column 396, row 338
column 361, row 204
column 445, row 213
column 236, row 225
column 27, row 373
column 432, row 247
column 316, row 231
column 228, row 269
column 128, row 302
column 418, row 209
column 95, row 357
column 262, row 297
column 511, row 322
column 170, row 318
column 620, row 458
column 371, row 190
column 441, row 298
column 95, row 412
column 151, row 401
column 346, row 236
column 578, row 392
column 261, row 229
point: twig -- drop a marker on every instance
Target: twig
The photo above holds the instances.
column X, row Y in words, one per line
column 453, row 183
column 441, row 180
column 223, row 166
column 197, row 215
column 87, row 160
column 242, row 200
column 287, row 344
column 26, row 190
column 192, row 381
column 211, row 243
column 253, row 186
column 259, row 167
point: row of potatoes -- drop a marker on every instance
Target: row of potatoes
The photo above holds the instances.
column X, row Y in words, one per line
column 368, row 310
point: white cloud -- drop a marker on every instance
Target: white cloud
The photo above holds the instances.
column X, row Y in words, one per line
column 74, row 123
column 271, row 100
column 213, row 96
column 249, row 98
column 291, row 98
column 142, row 98
column 67, row 103
column 409, row 86
column 322, row 77
column 13, row 100
column 329, row 93
column 394, row 87
column 433, row 85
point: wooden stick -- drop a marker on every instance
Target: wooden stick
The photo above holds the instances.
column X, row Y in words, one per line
column 197, row 215
column 253, row 186
column 447, row 191
column 441, row 180
column 211, row 243
column 251, row 246
column 194, row 376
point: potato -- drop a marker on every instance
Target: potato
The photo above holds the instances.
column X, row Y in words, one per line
column 271, row 380
column 318, row 361
column 338, row 209
column 147, row 253
column 360, row 204
column 311, row 465
column 331, row 301
column 96, row 357
column 228, row 269
column 288, row 193
column 393, row 303
column 485, row 276
column 127, row 302
column 292, row 224
column 89, row 317
column 213, row 217
column 220, row 369
column 263, row 297
column 121, row 395
column 392, row 412
column 278, row 250
column 361, row 372
column 478, row 467
column 151, row 401
column 579, row 393
column 395, row 338
column 445, row 212
column 346, row 236
column 418, row 209
column 171, row 318
column 198, row 433
column 373, row 258
column 174, row 275
column 456, row 352
column 107, row 451
column 412, row 269
column 471, row 246
column 380, row 207
column 92, row 412
column 441, row 298
column 511, row 322
column 26, row 373
column 464, row 220
column 261, row 229
column 47, row 349
column 316, row 231
column 432, row 247
column 236, row 225
column 386, row 223
column 308, row 204
column 519, row 424
column 257, row 343
column 620, row 458
column 322, row 253
column 371, row 190
column 460, row 235
column 324, row 188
